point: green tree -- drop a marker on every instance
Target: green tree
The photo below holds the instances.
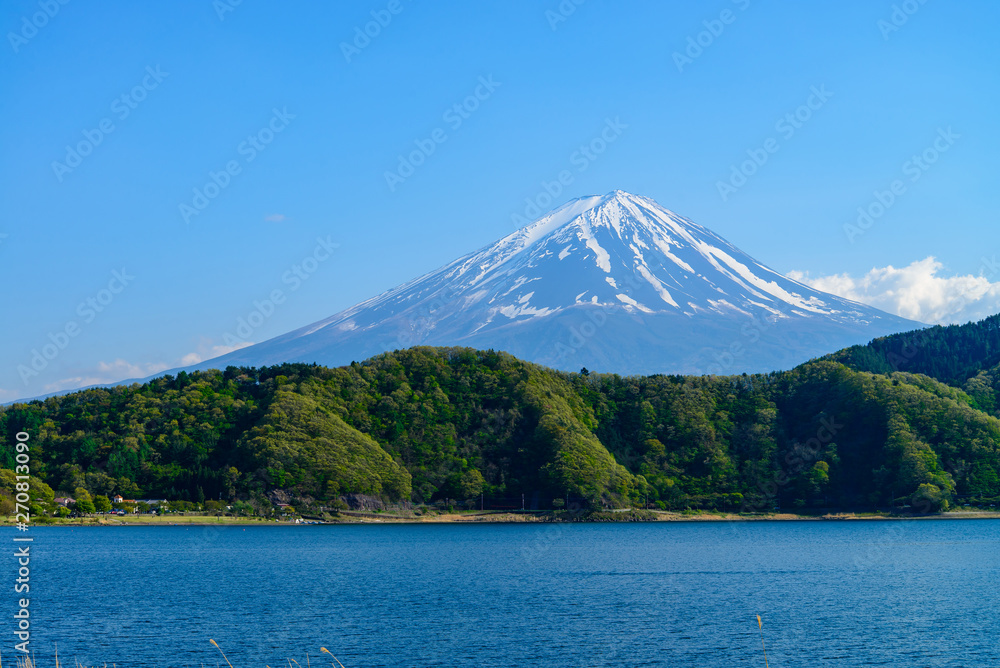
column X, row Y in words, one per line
column 101, row 503
column 85, row 506
column 240, row 508
column 231, row 477
column 6, row 505
column 213, row 506
column 84, row 502
column 100, row 483
column 929, row 498
column 471, row 484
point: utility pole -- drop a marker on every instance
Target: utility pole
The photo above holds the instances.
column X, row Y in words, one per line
column 522, row 500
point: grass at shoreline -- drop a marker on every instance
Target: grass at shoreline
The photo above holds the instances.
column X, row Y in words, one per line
column 148, row 520
column 629, row 515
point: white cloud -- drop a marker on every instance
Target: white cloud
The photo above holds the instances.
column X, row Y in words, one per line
column 206, row 350
column 190, row 358
column 105, row 373
column 123, row 369
column 276, row 218
column 76, row 382
column 108, row 373
column 917, row 291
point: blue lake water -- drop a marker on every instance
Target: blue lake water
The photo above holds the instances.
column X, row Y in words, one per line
column 917, row 593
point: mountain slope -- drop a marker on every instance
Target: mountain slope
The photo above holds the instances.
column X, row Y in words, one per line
column 614, row 283
column 434, row 424
column 952, row 354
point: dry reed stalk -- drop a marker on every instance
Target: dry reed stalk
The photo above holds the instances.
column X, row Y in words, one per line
column 760, row 625
column 324, row 649
column 220, row 652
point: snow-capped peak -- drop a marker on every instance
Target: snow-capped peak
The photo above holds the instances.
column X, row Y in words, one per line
column 630, row 252
column 618, row 258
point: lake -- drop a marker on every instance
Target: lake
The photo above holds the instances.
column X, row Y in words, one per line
column 914, row 593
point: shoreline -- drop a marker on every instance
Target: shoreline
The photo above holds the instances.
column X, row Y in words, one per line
column 605, row 517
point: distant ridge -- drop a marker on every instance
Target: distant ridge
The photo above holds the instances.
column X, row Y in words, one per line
column 951, row 354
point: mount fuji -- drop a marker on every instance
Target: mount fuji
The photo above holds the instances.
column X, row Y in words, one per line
column 615, row 283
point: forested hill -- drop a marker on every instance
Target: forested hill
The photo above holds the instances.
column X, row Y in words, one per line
column 951, row 354
column 429, row 424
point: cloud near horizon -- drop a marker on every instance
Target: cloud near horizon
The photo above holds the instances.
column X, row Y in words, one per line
column 105, row 372
column 917, row 292
column 206, row 351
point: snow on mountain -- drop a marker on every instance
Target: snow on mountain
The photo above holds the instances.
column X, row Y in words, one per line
column 614, row 283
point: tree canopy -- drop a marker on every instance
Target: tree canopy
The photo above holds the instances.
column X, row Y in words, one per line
column 426, row 424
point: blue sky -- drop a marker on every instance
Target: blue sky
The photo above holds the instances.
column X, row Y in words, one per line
column 115, row 114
